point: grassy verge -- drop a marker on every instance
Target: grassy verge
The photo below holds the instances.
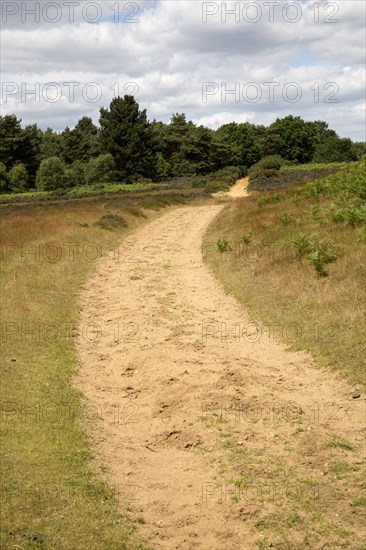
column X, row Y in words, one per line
column 296, row 259
column 301, row 490
column 52, row 496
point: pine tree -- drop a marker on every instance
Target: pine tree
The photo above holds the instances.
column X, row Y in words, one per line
column 11, row 139
column 126, row 133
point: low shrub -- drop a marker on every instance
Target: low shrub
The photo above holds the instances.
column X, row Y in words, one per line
column 110, row 222
column 271, row 162
column 285, row 218
column 275, row 197
column 223, row 245
column 323, row 254
column 247, row 237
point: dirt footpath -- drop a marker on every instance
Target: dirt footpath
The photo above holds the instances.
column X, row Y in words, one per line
column 168, row 371
column 239, row 189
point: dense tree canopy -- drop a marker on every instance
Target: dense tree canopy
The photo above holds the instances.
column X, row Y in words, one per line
column 126, row 146
column 244, row 150
column 335, row 149
column 81, row 143
column 292, row 138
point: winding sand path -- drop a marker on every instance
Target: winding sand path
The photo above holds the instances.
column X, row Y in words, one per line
column 167, row 348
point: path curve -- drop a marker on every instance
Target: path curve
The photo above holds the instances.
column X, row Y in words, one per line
column 161, row 356
column 240, row 189
column 236, row 191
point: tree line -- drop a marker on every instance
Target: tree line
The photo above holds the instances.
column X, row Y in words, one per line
column 127, row 147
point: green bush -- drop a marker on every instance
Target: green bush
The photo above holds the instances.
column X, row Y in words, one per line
column 303, row 243
column 220, row 180
column 323, row 254
column 355, row 215
column 51, row 174
column 318, row 253
column 285, row 218
column 228, row 175
column 348, row 191
column 276, row 197
column 314, row 189
column 247, row 237
column 75, row 174
column 110, row 222
column 223, row 245
column 102, row 169
column 256, row 173
column 271, row 162
column 18, row 178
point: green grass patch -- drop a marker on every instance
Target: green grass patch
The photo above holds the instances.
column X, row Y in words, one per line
column 339, row 443
column 312, row 166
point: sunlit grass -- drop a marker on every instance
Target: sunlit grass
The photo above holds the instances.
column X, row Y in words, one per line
column 284, row 287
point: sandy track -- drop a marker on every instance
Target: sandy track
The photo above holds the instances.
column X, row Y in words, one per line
column 239, row 189
column 151, row 381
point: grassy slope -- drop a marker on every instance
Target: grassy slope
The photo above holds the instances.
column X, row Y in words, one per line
column 322, row 314
column 51, row 495
column 281, row 287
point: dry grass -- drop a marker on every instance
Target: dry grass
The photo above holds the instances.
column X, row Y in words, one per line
column 51, row 495
column 322, row 314
column 261, row 266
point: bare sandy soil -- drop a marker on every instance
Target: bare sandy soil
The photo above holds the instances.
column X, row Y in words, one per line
column 236, row 191
column 165, row 347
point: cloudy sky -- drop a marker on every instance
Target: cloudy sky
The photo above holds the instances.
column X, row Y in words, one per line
column 215, row 61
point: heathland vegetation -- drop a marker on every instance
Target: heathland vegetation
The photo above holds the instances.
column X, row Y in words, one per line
column 295, row 258
column 292, row 252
